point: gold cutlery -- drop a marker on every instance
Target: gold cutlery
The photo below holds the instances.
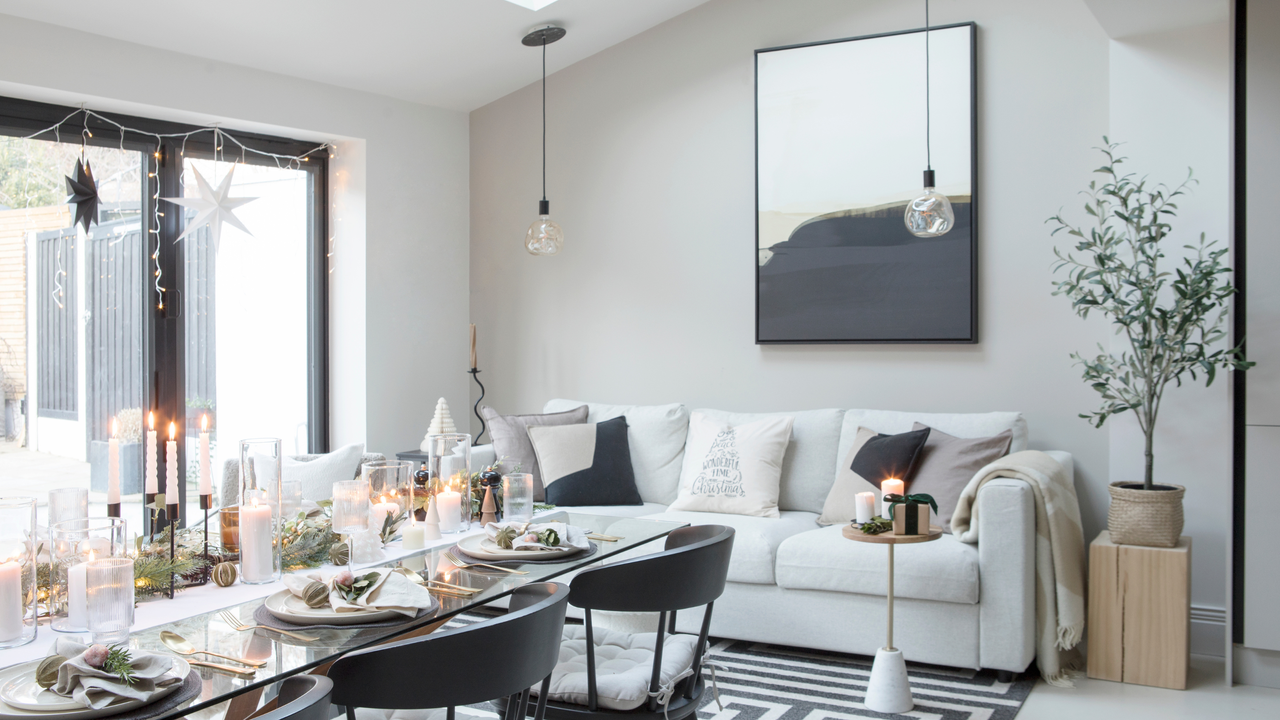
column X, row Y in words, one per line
column 448, row 555
column 230, row 619
column 183, row 646
column 459, row 588
column 603, row 538
column 238, row 672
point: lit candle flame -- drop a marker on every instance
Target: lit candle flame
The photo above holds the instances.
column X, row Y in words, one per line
column 173, row 430
column 204, row 423
column 114, row 425
column 151, row 420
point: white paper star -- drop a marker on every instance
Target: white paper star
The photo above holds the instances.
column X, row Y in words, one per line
column 213, row 207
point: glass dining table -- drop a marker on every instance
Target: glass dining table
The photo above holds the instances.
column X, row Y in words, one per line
column 209, row 627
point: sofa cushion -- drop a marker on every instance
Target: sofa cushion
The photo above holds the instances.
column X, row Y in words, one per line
column 733, row 468
column 947, row 465
column 587, row 464
column 656, row 436
column 945, row 570
column 961, row 425
column 624, row 666
column 807, row 467
column 756, row 539
column 514, row 449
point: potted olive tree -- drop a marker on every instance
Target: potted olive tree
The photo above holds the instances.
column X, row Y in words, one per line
column 1171, row 318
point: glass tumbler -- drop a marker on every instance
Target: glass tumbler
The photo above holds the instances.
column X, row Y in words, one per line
column 110, row 599
column 261, row 519
column 73, row 544
column 67, row 504
column 350, row 506
column 18, row 591
column 229, row 528
column 517, row 497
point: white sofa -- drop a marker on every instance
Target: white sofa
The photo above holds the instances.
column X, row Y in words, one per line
column 793, row 582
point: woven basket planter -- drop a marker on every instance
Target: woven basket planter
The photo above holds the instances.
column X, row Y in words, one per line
column 1152, row 518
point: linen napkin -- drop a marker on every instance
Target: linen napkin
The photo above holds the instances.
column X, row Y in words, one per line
column 391, row 591
column 570, row 536
column 96, row 688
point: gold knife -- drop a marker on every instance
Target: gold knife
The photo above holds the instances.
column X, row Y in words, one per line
column 238, row 672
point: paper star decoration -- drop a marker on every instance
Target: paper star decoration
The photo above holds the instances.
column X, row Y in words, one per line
column 83, row 191
column 213, row 207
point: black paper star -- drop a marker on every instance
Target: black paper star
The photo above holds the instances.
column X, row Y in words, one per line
column 84, row 193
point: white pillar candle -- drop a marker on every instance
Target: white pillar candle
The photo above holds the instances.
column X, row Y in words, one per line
column 171, row 467
column 206, row 475
column 153, row 457
column 10, row 600
column 450, row 510
column 382, row 510
column 77, row 595
column 113, row 467
column 255, row 542
column 413, row 537
column 866, row 506
column 889, row 487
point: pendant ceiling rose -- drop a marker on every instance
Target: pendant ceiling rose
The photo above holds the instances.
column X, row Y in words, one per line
column 544, row 35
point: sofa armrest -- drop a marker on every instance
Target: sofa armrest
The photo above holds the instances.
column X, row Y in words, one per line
column 482, row 456
column 1006, row 559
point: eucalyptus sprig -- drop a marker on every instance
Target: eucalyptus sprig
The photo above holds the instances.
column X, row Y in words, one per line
column 358, row 586
column 876, row 525
column 1174, row 322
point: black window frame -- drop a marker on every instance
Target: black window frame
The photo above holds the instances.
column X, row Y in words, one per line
column 163, row 328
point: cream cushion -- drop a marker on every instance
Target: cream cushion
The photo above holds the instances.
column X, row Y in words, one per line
column 655, row 434
column 624, row 666
column 755, row 540
column 732, row 468
column 841, row 506
column 945, row 569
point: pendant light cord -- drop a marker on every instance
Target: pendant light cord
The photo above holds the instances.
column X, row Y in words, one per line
column 544, row 118
column 928, row 149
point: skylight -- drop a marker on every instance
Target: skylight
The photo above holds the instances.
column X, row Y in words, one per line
column 531, row 4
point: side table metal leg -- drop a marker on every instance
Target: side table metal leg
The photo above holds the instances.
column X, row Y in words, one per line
column 889, row 690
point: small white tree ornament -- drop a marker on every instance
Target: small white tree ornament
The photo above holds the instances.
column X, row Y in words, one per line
column 441, row 424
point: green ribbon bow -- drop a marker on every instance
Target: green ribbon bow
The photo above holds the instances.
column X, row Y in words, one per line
column 918, row 499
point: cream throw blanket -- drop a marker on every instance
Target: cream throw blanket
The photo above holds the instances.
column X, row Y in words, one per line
column 1060, row 612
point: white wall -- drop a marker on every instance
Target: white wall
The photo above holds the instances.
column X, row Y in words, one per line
column 1171, row 106
column 399, row 192
column 651, row 175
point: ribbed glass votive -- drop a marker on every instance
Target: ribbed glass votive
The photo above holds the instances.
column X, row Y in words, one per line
column 110, row 599
column 73, row 544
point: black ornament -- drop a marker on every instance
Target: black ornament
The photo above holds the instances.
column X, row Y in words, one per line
column 84, row 194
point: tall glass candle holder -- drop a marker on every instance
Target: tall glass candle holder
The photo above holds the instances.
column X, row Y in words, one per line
column 261, row 519
column 18, row 589
column 110, row 595
column 73, row 544
column 390, row 488
column 350, row 506
column 449, row 462
column 67, row 504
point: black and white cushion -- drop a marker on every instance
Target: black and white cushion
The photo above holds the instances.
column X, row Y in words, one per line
column 586, row 464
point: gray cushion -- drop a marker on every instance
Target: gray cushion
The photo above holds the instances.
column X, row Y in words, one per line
column 947, row 465
column 511, row 444
column 807, row 468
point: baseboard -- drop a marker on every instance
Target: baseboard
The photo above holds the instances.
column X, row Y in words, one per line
column 1208, row 630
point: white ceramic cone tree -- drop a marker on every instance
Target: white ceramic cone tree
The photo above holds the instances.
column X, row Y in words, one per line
column 441, row 424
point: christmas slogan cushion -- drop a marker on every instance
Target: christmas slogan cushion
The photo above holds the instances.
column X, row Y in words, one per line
column 586, row 463
column 873, row 458
column 733, row 469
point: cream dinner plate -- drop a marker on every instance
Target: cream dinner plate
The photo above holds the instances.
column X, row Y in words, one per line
column 23, row 698
column 480, row 546
column 290, row 608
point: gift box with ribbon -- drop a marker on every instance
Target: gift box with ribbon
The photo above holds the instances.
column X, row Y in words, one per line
column 913, row 516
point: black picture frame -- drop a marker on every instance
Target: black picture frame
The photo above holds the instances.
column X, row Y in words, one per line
column 967, row 335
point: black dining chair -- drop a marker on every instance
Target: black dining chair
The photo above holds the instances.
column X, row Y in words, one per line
column 499, row 658
column 302, row 697
column 690, row 572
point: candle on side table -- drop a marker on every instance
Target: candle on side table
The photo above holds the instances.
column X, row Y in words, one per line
column 890, row 487
column 866, row 507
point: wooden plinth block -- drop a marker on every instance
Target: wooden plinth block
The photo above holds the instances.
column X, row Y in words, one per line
column 1139, row 613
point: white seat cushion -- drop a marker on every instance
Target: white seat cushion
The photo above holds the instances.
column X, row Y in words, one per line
column 624, row 666
column 423, row 714
column 945, row 570
column 755, row 541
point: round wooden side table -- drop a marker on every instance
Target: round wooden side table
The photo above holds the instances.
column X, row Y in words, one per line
column 889, row 691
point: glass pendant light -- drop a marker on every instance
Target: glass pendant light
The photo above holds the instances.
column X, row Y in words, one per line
column 929, row 215
column 544, row 237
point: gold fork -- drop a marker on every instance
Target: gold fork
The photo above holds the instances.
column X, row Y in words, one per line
column 230, row 619
column 448, row 555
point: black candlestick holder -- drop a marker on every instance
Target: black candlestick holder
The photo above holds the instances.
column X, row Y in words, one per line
column 171, row 510
column 206, row 504
column 475, row 375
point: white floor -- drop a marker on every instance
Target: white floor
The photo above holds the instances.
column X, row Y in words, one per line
column 1206, row 697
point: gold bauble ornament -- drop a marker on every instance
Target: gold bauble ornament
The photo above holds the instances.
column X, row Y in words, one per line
column 315, row 594
column 224, row 574
column 47, row 671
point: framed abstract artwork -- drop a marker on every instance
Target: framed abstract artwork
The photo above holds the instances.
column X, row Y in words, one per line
column 842, row 140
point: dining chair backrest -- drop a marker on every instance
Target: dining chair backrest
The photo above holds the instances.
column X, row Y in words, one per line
column 484, row 661
column 302, row 697
column 690, row 572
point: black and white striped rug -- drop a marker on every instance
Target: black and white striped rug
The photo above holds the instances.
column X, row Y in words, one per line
column 757, row 681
